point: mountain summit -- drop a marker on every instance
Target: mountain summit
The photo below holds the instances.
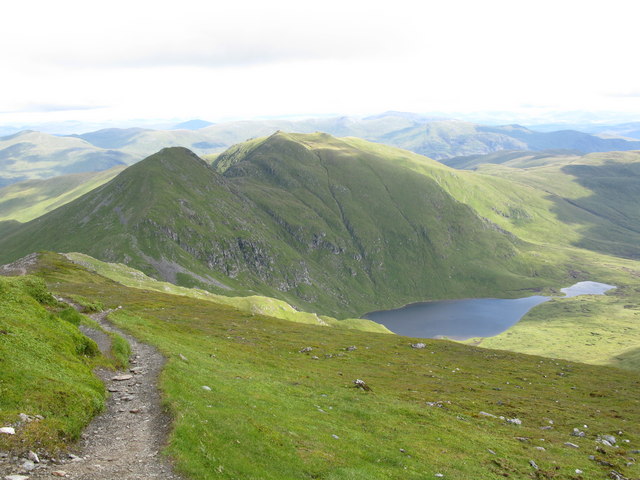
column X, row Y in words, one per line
column 339, row 225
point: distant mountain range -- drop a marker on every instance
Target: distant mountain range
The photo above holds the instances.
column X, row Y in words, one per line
column 29, row 155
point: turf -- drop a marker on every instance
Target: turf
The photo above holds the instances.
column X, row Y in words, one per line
column 274, row 412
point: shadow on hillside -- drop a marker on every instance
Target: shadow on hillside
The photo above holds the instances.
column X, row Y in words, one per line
column 629, row 360
column 610, row 215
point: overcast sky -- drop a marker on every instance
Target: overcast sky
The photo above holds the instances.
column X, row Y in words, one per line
column 133, row 59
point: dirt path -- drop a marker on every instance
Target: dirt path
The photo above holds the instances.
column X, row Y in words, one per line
column 125, row 441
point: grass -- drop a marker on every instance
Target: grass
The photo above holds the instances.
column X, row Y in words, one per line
column 27, row 200
column 273, row 412
column 252, row 304
column 46, row 368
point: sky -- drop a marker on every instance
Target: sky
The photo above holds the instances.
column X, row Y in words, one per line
column 120, row 61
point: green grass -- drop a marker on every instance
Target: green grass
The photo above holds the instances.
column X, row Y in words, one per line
column 272, row 412
column 27, row 200
column 46, row 368
column 252, row 304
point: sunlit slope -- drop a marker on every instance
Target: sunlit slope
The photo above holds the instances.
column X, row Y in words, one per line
column 336, row 226
column 30, row 199
column 275, row 412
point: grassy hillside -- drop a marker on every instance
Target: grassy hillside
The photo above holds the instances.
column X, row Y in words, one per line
column 595, row 195
column 273, row 412
column 46, row 369
column 336, row 226
column 253, row 304
column 30, row 199
column 32, row 155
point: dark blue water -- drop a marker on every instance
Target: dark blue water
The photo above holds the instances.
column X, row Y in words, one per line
column 476, row 317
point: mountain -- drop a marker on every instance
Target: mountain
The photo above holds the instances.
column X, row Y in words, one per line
column 192, row 125
column 599, row 192
column 30, row 155
column 24, row 201
column 341, row 226
column 436, row 138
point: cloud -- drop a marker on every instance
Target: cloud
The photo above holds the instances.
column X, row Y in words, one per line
column 49, row 107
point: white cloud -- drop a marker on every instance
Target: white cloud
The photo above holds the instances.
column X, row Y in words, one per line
column 249, row 58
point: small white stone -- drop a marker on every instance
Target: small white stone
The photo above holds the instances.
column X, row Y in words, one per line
column 578, row 471
column 8, row 430
column 207, row 388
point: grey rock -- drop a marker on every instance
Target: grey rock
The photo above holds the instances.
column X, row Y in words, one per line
column 207, row 388
column 122, row 378
column 514, row 421
column 572, row 445
column 335, row 436
column 182, row 357
column 306, row 349
column 24, row 418
column 28, row 465
column 608, row 438
column 361, row 384
column 578, row 433
column 16, row 477
column 8, row 430
column 542, row 449
column 418, row 345
column 534, row 464
column 33, row 456
column 351, row 348
column 491, row 451
column 485, row 414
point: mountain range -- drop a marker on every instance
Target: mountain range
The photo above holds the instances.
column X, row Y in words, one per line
column 29, row 155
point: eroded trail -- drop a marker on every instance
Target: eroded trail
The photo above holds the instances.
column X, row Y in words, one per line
column 125, row 441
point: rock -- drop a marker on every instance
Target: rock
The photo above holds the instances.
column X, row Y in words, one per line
column 305, row 350
column 33, row 456
column 607, row 438
column 24, row 418
column 617, row 476
column 75, row 458
column 491, row 451
column 578, row 433
column 182, row 357
column 112, row 389
column 514, row 421
column 135, row 410
column 122, row 378
column 572, row 445
column 361, row 384
column 439, row 475
column 59, row 473
column 335, row 436
column 522, row 439
column 351, row 348
column 136, row 370
column 28, row 465
column 542, row 449
column 546, row 427
column 207, row 388
column 578, row 471
column 485, row 414
column 534, row 465
column 16, row 477
column 8, row 430
column 418, row 345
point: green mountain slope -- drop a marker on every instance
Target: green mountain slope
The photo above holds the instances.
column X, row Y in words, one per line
column 24, row 201
column 339, row 226
column 273, row 412
column 32, row 155
column 596, row 195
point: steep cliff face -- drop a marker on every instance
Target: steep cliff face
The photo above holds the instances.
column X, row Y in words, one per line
column 335, row 225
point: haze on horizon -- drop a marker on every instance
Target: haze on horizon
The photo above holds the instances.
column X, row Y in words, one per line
column 117, row 61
